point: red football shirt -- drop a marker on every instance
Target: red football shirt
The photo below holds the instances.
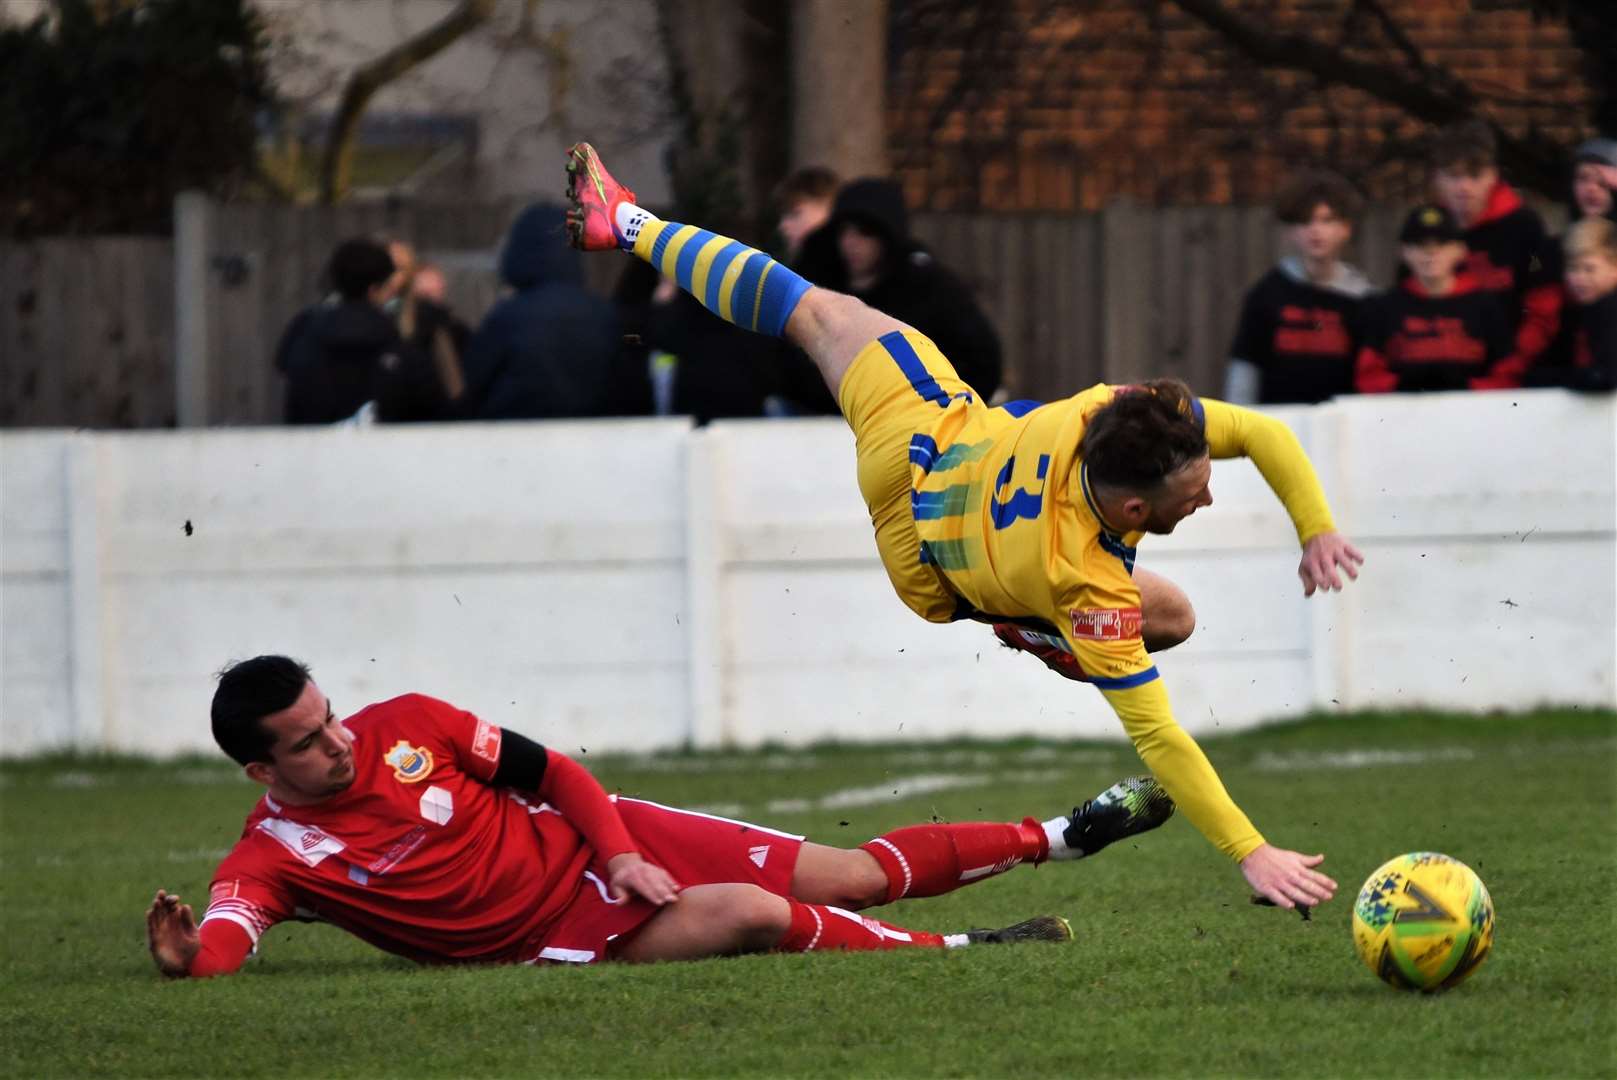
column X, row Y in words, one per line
column 419, row 856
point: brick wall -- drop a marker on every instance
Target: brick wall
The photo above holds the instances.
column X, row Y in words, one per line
column 1063, row 106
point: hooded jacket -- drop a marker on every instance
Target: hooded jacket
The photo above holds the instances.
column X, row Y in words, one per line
column 912, row 287
column 333, row 355
column 548, row 349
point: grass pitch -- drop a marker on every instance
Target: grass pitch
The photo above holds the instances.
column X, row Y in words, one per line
column 1174, row 973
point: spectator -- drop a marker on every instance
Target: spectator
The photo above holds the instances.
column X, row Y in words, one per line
column 1298, row 335
column 332, row 353
column 880, row 263
column 806, row 199
column 719, row 371
column 1594, row 174
column 1436, row 331
column 1508, row 251
column 426, row 382
column 1589, row 358
column 1594, row 179
column 548, row 349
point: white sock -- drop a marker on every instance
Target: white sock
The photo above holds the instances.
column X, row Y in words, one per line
column 956, row 941
column 1055, row 832
column 629, row 220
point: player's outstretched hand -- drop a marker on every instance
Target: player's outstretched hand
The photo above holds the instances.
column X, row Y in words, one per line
column 629, row 874
column 1287, row 878
column 171, row 934
column 1322, row 557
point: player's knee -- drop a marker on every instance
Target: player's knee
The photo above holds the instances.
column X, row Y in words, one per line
column 867, row 883
column 1169, row 624
column 758, row 918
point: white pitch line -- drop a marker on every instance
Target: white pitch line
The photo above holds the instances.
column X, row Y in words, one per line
column 1300, row 761
column 877, row 794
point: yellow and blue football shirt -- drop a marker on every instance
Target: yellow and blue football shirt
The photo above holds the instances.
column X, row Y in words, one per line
column 1002, row 526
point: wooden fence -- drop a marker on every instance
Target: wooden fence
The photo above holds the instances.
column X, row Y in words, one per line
column 88, row 326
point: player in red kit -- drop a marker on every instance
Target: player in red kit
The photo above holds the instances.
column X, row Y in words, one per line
column 436, row 835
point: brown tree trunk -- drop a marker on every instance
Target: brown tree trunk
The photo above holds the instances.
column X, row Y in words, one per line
column 839, row 80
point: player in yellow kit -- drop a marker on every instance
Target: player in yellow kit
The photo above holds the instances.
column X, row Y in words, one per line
column 1024, row 516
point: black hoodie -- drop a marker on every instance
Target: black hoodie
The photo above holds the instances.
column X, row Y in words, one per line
column 333, row 356
column 549, row 349
column 912, row 287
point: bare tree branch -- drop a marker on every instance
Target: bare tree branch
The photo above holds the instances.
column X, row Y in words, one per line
column 1430, row 94
column 337, row 162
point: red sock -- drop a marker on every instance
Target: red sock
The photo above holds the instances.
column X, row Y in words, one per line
column 928, row 860
column 818, row 927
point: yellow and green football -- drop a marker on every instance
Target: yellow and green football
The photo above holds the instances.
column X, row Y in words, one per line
column 1423, row 921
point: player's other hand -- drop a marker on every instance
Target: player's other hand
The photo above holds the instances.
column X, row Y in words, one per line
column 1323, row 556
column 630, row 875
column 171, row 934
column 1287, row 878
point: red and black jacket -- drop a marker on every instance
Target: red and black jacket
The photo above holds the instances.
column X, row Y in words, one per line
column 1513, row 259
column 1415, row 341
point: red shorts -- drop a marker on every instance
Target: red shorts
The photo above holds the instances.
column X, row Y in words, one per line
column 697, row 849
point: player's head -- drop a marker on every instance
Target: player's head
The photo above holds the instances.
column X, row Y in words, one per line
column 1319, row 210
column 360, row 269
column 805, row 199
column 1591, row 259
column 1146, row 456
column 1433, row 247
column 269, row 716
column 1464, row 158
column 1592, row 164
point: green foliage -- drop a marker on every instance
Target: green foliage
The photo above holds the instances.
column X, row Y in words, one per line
column 1174, row 973
column 106, row 112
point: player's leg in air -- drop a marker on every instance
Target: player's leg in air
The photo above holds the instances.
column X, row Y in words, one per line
column 739, row 284
column 889, row 380
column 830, row 884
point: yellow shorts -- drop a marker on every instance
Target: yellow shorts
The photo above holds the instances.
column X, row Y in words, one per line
column 899, row 386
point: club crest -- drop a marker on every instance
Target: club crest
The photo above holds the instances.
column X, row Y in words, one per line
column 410, row 763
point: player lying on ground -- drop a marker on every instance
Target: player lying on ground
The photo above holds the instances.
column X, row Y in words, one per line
column 1022, row 515
column 437, row 836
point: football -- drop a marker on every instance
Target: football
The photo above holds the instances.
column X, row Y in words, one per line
column 1423, row 921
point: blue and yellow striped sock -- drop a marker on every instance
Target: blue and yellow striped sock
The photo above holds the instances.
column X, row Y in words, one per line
column 739, row 284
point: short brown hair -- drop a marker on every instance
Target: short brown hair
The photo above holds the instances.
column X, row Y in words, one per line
column 809, row 182
column 1591, row 236
column 1470, row 145
column 1143, row 435
column 1298, row 199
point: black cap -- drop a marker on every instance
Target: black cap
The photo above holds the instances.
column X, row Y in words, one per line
column 1427, row 223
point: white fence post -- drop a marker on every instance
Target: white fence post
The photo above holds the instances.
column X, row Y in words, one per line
column 86, row 625
column 704, row 610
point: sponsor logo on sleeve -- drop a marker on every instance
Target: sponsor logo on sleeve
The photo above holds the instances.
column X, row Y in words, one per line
column 223, row 890
column 486, row 743
column 410, row 763
column 1105, row 624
